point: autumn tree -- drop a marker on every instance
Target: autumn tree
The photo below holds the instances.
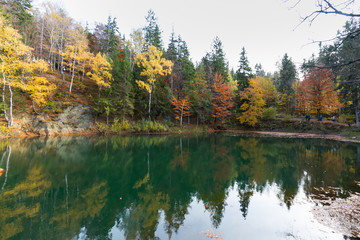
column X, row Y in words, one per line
column 269, row 90
column 222, row 100
column 316, row 93
column 39, row 90
column 253, row 103
column 154, row 66
column 181, row 108
column 100, row 71
column 16, row 64
column 76, row 55
column 136, row 45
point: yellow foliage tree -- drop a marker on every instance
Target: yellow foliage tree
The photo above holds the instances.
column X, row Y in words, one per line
column 253, row 104
column 100, row 71
column 17, row 64
column 39, row 90
column 269, row 90
column 154, row 66
column 76, row 55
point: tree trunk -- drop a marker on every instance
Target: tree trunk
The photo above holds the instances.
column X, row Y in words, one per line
column 34, row 108
column 10, row 122
column 51, row 46
column 62, row 57
column 3, row 93
column 181, row 115
column 150, row 102
column 357, row 114
column 73, row 73
column 42, row 37
column 357, row 109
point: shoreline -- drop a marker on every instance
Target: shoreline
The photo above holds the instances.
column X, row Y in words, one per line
column 277, row 134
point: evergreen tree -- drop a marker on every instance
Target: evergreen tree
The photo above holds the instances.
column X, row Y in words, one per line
column 183, row 69
column 244, row 72
column 346, row 66
column 21, row 18
column 287, row 75
column 152, row 31
column 172, row 52
column 286, row 82
column 219, row 63
column 121, row 92
column 18, row 11
column 110, row 37
column 215, row 62
column 259, row 71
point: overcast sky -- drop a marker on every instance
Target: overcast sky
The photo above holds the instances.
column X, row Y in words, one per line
column 266, row 28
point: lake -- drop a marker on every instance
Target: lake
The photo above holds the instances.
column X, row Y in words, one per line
column 171, row 187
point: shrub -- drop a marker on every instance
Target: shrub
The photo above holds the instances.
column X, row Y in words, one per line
column 50, row 105
column 269, row 113
column 4, row 130
column 102, row 127
column 149, row 126
column 120, row 126
column 347, row 118
column 287, row 118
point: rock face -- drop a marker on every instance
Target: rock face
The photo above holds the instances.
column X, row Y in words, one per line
column 74, row 119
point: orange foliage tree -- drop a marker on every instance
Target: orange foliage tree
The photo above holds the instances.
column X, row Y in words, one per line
column 316, row 94
column 181, row 108
column 222, row 99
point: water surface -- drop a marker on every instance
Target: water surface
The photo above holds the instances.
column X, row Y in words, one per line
column 171, row 187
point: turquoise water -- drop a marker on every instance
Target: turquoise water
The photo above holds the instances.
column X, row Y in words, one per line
column 171, row 187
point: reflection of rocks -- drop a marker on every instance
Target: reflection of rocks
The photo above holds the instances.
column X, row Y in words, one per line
column 74, row 119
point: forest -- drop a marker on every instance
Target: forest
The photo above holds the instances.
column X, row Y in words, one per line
column 137, row 78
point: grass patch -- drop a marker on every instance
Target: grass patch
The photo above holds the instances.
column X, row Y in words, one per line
column 149, row 126
column 142, row 126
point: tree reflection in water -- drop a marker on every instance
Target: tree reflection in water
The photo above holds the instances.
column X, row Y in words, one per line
column 67, row 187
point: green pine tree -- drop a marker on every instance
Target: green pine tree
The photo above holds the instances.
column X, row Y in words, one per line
column 244, row 72
column 152, row 31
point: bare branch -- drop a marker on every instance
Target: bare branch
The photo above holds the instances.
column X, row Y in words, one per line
column 333, row 66
column 331, row 9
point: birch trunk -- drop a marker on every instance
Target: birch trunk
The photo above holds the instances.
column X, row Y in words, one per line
column 3, row 92
column 150, row 102
column 10, row 122
column 73, row 73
